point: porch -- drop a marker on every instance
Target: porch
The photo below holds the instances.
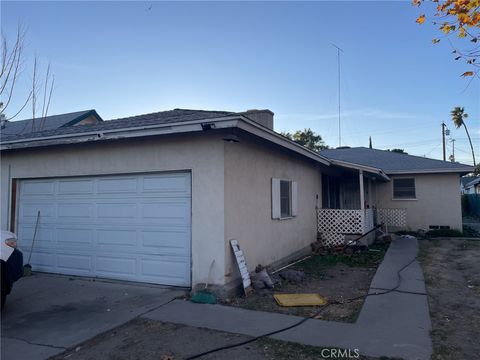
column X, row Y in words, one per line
column 350, row 208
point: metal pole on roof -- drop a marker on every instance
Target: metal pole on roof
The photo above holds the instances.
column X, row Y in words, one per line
column 453, row 150
column 339, row 108
column 443, row 142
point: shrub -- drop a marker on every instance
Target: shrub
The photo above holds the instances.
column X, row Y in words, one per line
column 444, row 233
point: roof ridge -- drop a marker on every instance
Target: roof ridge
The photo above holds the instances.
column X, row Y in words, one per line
column 63, row 114
column 172, row 110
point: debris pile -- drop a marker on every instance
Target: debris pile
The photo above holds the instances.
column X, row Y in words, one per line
column 293, row 276
column 261, row 279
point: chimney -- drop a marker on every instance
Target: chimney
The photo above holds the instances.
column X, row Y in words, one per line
column 262, row 117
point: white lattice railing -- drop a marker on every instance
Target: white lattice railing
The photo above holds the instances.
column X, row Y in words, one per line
column 334, row 224
column 368, row 221
column 392, row 217
column 345, row 221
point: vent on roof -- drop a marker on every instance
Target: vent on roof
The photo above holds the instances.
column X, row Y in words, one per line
column 343, row 147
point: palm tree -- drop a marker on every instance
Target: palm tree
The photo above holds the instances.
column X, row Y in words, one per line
column 458, row 116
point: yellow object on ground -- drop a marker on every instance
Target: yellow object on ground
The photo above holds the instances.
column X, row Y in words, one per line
column 299, row 299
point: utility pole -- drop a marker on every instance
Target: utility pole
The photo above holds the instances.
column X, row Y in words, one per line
column 443, row 141
column 339, row 120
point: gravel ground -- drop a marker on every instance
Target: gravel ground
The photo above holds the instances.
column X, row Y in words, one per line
column 451, row 268
column 155, row 340
column 335, row 277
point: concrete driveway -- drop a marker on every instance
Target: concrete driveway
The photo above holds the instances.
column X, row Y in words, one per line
column 46, row 314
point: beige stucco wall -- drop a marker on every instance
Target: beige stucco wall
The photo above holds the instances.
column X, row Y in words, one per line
column 249, row 168
column 437, row 201
column 201, row 154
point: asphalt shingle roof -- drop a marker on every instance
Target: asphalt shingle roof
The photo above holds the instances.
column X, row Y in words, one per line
column 471, row 181
column 163, row 117
column 391, row 162
column 23, row 127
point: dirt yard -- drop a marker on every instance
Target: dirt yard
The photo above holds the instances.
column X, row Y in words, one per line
column 452, row 277
column 336, row 277
column 155, row 340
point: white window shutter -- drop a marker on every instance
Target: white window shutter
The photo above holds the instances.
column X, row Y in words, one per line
column 275, row 198
column 294, row 198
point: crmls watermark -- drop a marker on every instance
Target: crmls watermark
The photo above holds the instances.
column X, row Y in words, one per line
column 335, row 353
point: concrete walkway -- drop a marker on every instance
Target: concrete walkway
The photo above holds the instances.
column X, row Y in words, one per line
column 396, row 324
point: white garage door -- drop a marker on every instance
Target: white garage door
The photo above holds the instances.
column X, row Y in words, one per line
column 131, row 227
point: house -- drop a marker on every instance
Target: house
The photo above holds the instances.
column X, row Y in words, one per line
column 470, row 185
column 156, row 198
column 421, row 191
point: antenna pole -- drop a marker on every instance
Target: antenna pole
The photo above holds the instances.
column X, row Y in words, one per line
column 339, row 107
column 443, row 141
column 453, row 150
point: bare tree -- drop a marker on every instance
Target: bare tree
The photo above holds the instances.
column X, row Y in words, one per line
column 12, row 65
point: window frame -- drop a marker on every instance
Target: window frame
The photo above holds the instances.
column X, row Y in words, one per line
column 277, row 198
column 396, row 197
column 289, row 213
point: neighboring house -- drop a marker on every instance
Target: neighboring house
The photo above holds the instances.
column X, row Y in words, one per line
column 49, row 122
column 470, row 185
column 156, row 198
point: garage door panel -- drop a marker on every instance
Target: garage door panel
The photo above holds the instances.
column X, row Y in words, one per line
column 29, row 211
column 75, row 211
column 45, row 236
column 119, row 185
column 75, row 263
column 116, row 238
column 115, row 266
column 43, row 261
column 117, row 211
column 36, row 187
column 169, row 270
column 167, row 212
column 132, row 227
column 70, row 187
column 74, row 237
column 170, row 242
column 168, row 184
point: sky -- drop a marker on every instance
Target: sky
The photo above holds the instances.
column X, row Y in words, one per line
column 130, row 58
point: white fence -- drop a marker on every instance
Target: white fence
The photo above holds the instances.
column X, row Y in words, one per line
column 334, row 224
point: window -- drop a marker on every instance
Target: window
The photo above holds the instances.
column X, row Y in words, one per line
column 284, row 198
column 404, row 188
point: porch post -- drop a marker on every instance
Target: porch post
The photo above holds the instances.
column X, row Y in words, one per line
column 362, row 190
column 370, row 198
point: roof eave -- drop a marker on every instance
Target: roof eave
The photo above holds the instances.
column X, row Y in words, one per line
column 274, row 137
column 355, row 166
column 465, row 170
column 163, row 129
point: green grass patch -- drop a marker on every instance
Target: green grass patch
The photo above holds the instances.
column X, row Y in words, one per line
column 444, row 233
column 370, row 257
